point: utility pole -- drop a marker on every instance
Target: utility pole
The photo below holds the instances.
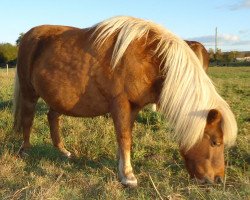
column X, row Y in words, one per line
column 215, row 46
column 215, row 40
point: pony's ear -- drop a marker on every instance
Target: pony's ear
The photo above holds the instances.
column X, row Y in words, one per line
column 214, row 117
column 213, row 122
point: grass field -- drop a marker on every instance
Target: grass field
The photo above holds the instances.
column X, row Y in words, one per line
column 92, row 174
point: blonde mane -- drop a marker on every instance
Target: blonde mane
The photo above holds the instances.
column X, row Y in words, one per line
column 187, row 94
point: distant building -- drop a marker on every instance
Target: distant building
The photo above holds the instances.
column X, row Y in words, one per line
column 244, row 59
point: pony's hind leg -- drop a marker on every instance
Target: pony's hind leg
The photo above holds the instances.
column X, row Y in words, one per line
column 54, row 119
column 27, row 112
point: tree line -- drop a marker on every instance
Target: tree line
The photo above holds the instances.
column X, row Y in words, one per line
column 8, row 52
column 232, row 58
column 8, row 55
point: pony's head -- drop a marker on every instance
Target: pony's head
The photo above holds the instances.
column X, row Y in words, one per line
column 205, row 160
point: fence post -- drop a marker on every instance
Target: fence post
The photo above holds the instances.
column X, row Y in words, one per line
column 7, row 68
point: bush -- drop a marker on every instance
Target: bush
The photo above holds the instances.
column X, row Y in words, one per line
column 8, row 54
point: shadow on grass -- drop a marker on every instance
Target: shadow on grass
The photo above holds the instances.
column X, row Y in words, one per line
column 41, row 107
column 6, row 104
column 47, row 152
column 149, row 118
column 239, row 157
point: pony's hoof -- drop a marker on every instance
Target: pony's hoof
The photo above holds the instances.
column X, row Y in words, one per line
column 22, row 153
column 66, row 153
column 129, row 182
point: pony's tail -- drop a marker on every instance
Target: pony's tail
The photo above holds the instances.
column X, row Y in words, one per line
column 16, row 105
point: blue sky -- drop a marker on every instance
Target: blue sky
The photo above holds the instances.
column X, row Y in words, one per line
column 190, row 19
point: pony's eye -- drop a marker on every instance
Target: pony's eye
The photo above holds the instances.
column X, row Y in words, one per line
column 215, row 143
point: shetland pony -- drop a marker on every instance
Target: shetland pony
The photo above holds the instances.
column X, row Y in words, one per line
column 118, row 66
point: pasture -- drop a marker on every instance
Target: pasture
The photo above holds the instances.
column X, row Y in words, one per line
column 92, row 173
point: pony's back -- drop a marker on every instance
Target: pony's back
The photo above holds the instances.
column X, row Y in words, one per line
column 200, row 52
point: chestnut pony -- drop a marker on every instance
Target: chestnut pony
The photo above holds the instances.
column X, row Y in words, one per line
column 118, row 66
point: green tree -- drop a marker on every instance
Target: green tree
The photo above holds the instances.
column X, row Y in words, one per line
column 230, row 57
column 211, row 54
column 8, row 53
column 19, row 39
column 234, row 55
column 218, row 55
column 3, row 59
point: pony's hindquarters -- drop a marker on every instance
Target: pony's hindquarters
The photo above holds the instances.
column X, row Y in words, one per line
column 201, row 53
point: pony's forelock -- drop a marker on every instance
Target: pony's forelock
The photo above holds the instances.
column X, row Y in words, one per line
column 187, row 94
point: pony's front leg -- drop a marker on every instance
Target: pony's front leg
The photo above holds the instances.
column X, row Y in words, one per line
column 126, row 174
column 123, row 118
column 54, row 118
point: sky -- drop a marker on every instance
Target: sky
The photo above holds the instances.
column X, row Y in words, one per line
column 189, row 19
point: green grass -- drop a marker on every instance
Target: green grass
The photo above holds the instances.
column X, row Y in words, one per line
column 92, row 174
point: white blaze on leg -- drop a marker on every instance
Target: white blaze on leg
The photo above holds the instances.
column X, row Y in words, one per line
column 154, row 107
column 126, row 171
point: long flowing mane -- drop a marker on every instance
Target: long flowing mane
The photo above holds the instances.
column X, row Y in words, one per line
column 187, row 94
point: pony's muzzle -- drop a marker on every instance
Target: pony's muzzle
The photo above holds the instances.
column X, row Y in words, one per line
column 218, row 180
column 206, row 180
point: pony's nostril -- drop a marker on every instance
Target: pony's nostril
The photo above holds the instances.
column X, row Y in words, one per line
column 218, row 179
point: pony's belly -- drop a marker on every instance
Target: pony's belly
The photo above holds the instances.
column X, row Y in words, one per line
column 74, row 96
column 87, row 105
column 88, row 108
column 82, row 108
